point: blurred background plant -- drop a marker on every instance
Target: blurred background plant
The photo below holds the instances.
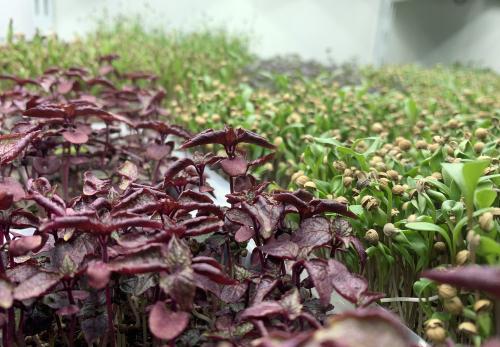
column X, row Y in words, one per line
column 176, row 58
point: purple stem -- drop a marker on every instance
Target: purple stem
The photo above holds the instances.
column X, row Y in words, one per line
column 65, row 177
column 109, row 304
column 72, row 324
column 155, row 172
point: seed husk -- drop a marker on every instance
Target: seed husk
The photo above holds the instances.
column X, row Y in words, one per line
column 468, row 328
column 398, row 189
column 483, row 305
column 486, row 221
column 481, row 133
column 436, row 335
column 445, row 291
column 462, row 257
column 390, row 230
column 393, row 175
column 371, row 236
column 440, row 247
column 302, row 180
column 347, row 181
column 478, row 147
column 453, row 305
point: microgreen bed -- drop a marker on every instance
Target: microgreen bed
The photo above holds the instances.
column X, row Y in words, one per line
column 348, row 182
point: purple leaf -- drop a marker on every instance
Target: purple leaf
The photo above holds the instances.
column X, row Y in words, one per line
column 12, row 145
column 65, row 86
column 157, row 152
column 98, row 274
column 46, row 165
column 25, row 244
column 244, row 233
column 212, row 272
column 6, row 298
column 180, row 286
column 164, row 128
column 264, row 287
column 10, row 186
column 266, row 214
column 314, row 232
column 281, row 249
column 319, row 273
column 36, row 285
column 75, row 136
column 165, row 324
column 100, row 226
column 234, row 167
column 177, row 167
column 253, row 138
column 233, row 293
column 360, row 249
column 68, row 310
column 261, row 160
column 201, row 225
column 472, row 277
column 93, row 185
column 21, row 272
column 239, row 216
column 493, row 342
column 204, row 138
column 23, row 219
column 350, row 286
column 6, row 200
column 291, row 303
column 323, row 205
column 46, row 111
column 147, row 260
column 262, row 309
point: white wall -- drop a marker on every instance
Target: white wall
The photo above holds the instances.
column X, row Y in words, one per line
column 441, row 31
column 21, row 11
column 308, row 27
column 368, row 31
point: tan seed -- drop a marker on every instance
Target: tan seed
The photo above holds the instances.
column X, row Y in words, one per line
column 468, row 328
column 486, row 221
column 478, row 147
column 404, row 145
column 398, row 189
column 440, row 247
column 453, row 305
column 462, row 257
column 483, row 305
column 436, row 335
column 445, row 291
column 481, row 133
column 371, row 236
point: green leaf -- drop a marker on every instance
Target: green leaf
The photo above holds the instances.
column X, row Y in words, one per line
column 421, row 285
column 357, row 210
column 466, row 175
column 424, row 226
column 484, row 198
column 406, row 255
column 411, row 110
column 485, row 324
column 344, row 150
column 443, row 316
column 488, row 246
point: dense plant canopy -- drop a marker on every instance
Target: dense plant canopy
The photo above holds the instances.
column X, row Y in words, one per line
column 344, row 182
